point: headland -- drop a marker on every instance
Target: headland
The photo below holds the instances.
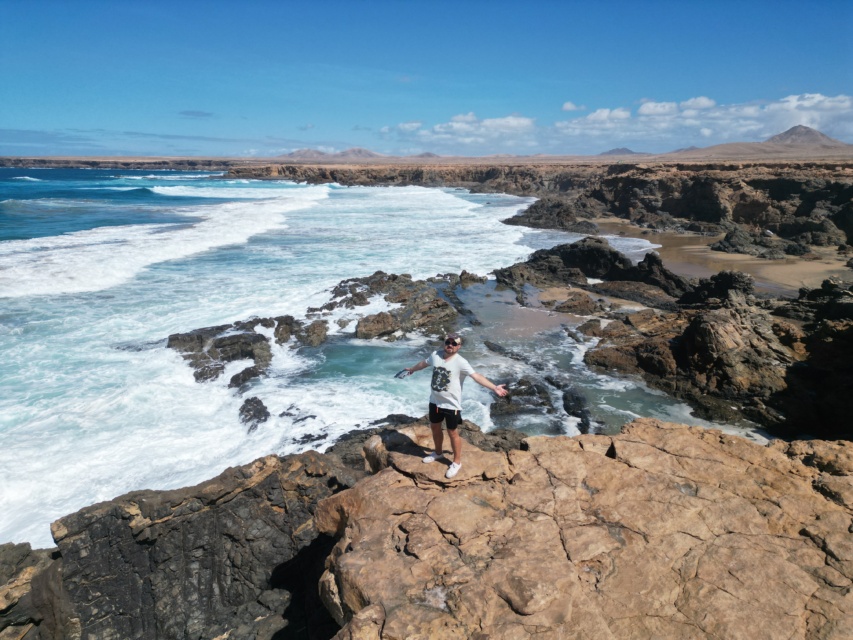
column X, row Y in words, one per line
column 662, row 531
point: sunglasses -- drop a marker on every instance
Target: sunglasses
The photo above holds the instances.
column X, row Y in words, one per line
column 451, row 343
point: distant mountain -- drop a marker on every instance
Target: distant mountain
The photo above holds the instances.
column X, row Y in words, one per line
column 795, row 143
column 622, row 151
column 426, row 155
column 802, row 135
column 314, row 154
column 357, row 152
column 306, row 154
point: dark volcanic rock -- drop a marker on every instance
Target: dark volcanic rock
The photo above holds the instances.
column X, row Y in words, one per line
column 572, row 264
column 207, row 350
column 553, row 213
column 525, row 396
column 22, row 572
column 230, row 557
column 719, row 286
column 422, row 306
column 253, row 412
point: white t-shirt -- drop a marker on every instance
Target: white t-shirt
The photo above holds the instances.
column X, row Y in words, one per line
column 447, row 378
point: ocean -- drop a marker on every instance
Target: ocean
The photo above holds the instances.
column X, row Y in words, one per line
column 98, row 267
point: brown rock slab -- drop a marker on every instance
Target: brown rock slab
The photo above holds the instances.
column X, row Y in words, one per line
column 663, row 531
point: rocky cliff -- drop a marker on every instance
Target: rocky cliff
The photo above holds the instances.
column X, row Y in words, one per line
column 804, row 203
column 663, row 531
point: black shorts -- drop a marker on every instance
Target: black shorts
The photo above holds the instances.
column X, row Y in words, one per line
column 452, row 416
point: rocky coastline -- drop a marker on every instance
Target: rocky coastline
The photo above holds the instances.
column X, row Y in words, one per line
column 660, row 531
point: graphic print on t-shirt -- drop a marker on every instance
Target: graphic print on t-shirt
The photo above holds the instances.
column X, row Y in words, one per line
column 440, row 379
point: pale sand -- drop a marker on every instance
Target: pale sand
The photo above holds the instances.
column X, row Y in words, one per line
column 689, row 255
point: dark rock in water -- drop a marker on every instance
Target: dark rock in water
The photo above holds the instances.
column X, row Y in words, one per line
column 572, row 264
column 554, row 213
column 422, row 307
column 315, row 333
column 249, row 373
column 236, row 556
column 466, row 279
column 253, row 412
column 378, row 324
column 575, row 404
column 525, row 396
column 208, row 350
column 395, row 420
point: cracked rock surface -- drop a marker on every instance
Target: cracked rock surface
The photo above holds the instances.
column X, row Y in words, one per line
column 663, row 531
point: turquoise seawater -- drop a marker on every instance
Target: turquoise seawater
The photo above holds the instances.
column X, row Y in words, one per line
column 98, row 267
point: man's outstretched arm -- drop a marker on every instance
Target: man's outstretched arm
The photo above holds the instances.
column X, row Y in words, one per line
column 483, row 381
column 421, row 365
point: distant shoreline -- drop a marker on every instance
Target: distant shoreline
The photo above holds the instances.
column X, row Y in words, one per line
column 685, row 254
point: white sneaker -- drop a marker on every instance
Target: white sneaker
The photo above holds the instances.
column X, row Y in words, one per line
column 453, row 470
column 432, row 457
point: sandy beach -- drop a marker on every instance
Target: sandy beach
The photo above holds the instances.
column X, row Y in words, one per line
column 689, row 255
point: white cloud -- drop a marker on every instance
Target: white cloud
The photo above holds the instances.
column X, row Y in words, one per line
column 664, row 125
column 653, row 126
column 571, row 106
column 410, row 126
column 466, row 133
column 657, row 108
column 699, row 102
column 608, row 115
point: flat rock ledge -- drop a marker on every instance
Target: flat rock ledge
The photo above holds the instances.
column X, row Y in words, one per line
column 664, row 531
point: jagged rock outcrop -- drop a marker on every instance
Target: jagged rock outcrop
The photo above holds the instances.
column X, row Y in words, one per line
column 421, row 306
column 554, row 213
column 227, row 558
column 664, row 531
column 649, row 282
column 809, row 203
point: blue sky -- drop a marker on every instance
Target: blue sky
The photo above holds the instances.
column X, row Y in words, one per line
column 263, row 78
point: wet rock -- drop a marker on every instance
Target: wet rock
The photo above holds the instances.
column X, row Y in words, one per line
column 525, row 396
column 247, row 374
column 253, row 412
column 572, row 264
column 554, row 213
column 314, row 334
column 207, row 350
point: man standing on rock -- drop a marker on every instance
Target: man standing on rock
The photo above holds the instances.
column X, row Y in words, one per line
column 445, row 402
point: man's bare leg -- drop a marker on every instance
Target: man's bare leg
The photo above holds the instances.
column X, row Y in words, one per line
column 438, row 437
column 455, row 443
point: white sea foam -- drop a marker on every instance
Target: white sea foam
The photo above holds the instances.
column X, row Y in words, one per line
column 27, row 179
column 105, row 257
column 182, row 176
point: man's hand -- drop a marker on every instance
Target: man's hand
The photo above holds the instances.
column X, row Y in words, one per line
column 501, row 390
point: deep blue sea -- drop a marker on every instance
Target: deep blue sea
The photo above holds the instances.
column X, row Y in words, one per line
column 98, row 267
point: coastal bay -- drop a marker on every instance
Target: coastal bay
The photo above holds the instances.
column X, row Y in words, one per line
column 604, row 534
